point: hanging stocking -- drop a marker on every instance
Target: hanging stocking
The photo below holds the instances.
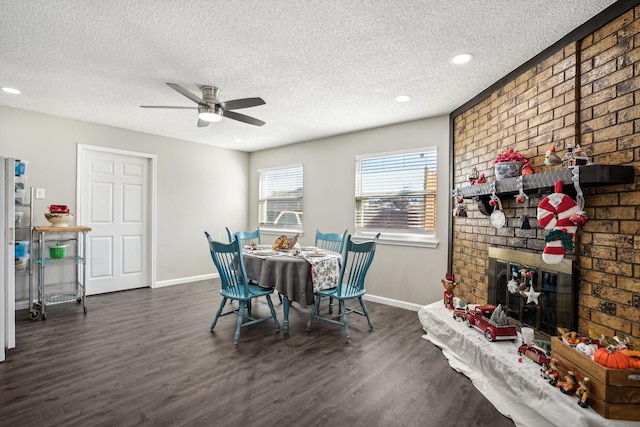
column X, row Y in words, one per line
column 554, row 213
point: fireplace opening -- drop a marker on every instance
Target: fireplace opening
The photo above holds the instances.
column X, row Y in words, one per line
column 513, row 274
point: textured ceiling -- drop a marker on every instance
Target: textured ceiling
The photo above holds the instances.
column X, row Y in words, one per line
column 324, row 67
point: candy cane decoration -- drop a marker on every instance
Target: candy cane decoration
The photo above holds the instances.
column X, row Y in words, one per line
column 554, row 213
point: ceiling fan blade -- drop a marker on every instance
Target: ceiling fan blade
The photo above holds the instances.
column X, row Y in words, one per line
column 168, row 106
column 242, row 118
column 236, row 104
column 203, row 123
column 188, row 94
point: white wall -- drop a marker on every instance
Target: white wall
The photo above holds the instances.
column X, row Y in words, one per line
column 206, row 188
column 199, row 187
column 400, row 275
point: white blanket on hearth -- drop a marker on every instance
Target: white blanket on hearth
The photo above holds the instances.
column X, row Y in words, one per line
column 515, row 388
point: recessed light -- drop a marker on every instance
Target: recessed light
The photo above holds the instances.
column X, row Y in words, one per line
column 403, row 98
column 11, row 90
column 462, row 58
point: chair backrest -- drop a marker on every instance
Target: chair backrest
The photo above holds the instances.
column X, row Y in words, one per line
column 245, row 237
column 331, row 241
column 357, row 260
column 228, row 259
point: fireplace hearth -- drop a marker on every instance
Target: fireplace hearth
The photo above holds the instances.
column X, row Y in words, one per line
column 511, row 273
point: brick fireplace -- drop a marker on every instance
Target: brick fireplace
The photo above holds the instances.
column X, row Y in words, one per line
column 585, row 91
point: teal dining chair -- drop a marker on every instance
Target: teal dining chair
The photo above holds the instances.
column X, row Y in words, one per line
column 229, row 262
column 245, row 237
column 356, row 263
column 333, row 242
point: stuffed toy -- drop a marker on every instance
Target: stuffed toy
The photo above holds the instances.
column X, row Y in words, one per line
column 449, row 283
column 562, row 215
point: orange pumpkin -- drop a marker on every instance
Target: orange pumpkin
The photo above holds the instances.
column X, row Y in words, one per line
column 634, row 363
column 634, row 358
column 611, row 358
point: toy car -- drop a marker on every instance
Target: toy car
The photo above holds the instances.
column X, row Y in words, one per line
column 534, row 353
column 479, row 318
column 459, row 313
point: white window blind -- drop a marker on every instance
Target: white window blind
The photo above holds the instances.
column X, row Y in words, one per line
column 281, row 198
column 396, row 192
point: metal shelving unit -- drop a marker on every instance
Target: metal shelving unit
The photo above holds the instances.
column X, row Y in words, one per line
column 26, row 229
column 62, row 291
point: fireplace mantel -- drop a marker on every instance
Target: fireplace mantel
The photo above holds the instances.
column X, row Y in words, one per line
column 588, row 176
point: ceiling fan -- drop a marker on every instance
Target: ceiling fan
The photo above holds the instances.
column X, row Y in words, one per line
column 210, row 109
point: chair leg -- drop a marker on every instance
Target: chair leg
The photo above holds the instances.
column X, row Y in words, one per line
column 343, row 314
column 365, row 311
column 273, row 313
column 330, row 305
column 218, row 313
column 236, row 337
column 314, row 311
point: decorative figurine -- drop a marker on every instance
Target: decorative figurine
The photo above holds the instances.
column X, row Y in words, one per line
column 479, row 317
column 499, row 317
column 569, row 385
column 545, row 371
column 551, row 158
column 581, row 159
column 449, row 283
column 473, row 175
column 459, row 308
column 513, row 284
column 527, row 169
column 569, row 159
column 553, row 372
column 480, row 180
column 460, row 210
column 583, row 393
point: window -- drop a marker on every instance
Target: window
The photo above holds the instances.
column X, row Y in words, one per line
column 280, row 198
column 396, row 194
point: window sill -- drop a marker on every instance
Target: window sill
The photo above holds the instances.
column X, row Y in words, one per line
column 399, row 240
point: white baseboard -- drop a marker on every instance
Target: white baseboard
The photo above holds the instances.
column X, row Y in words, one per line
column 368, row 297
column 183, row 280
column 20, row 305
column 393, row 302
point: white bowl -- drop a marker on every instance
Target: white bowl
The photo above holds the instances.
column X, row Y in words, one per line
column 58, row 219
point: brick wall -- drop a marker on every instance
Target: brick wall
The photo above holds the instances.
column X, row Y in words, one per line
column 587, row 93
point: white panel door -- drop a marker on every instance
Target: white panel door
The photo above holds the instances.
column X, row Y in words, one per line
column 115, row 203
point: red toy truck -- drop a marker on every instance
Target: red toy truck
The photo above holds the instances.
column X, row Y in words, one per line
column 479, row 316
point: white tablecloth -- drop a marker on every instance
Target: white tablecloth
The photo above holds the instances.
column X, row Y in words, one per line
column 516, row 389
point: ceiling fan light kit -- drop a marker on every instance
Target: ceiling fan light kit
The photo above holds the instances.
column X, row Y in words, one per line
column 210, row 109
column 210, row 114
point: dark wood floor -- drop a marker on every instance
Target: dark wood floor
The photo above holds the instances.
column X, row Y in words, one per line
column 147, row 357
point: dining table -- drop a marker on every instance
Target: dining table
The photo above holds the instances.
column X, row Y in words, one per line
column 295, row 274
